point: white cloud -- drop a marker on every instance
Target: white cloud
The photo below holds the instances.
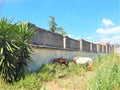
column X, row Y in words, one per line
column 107, row 22
column 107, row 31
column 113, row 39
column 107, row 39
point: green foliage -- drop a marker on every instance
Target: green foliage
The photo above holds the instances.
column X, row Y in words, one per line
column 52, row 24
column 60, row 31
column 30, row 82
column 47, row 72
column 50, row 71
column 14, row 49
column 25, row 34
column 108, row 75
column 99, row 57
column 53, row 28
column 44, row 72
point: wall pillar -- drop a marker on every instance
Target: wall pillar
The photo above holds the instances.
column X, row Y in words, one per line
column 64, row 42
column 81, row 48
column 109, row 49
column 106, row 48
column 91, row 46
column 103, row 48
column 98, row 48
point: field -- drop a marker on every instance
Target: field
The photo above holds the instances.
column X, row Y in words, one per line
column 105, row 75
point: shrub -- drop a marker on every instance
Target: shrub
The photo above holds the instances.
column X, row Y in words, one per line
column 14, row 49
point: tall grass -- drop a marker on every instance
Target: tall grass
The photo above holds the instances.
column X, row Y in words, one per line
column 106, row 69
column 47, row 72
column 107, row 74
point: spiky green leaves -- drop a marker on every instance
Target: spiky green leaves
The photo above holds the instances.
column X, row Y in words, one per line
column 14, row 49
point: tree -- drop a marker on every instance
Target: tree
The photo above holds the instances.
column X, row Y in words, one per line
column 52, row 24
column 53, row 28
column 60, row 30
column 15, row 50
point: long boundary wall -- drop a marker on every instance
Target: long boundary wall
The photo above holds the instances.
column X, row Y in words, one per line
column 49, row 39
column 43, row 55
column 47, row 45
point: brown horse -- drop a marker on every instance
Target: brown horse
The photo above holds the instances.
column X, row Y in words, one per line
column 61, row 61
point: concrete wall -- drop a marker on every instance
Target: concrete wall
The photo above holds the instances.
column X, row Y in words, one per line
column 94, row 48
column 48, row 39
column 103, row 49
column 44, row 55
column 48, row 45
column 85, row 45
column 72, row 44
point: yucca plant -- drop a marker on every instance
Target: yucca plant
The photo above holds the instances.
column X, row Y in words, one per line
column 24, row 33
column 14, row 49
column 8, row 61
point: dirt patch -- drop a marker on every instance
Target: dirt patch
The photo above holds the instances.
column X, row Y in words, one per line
column 73, row 82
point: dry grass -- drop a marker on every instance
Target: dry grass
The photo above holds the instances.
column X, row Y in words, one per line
column 73, row 82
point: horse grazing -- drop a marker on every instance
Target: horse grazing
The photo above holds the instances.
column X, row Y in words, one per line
column 83, row 60
column 61, row 61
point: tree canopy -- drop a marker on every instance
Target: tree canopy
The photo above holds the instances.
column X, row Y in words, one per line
column 53, row 27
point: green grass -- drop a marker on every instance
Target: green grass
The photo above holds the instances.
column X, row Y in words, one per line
column 47, row 72
column 106, row 76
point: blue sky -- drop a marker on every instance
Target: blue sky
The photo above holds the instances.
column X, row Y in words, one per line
column 91, row 20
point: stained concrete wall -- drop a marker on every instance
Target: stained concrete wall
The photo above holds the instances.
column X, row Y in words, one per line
column 85, row 45
column 72, row 44
column 94, row 47
column 47, row 38
column 48, row 45
column 44, row 55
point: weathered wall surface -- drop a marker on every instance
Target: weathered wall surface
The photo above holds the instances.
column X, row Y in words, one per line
column 45, row 55
column 72, row 44
column 94, row 48
column 85, row 45
column 48, row 45
column 49, row 39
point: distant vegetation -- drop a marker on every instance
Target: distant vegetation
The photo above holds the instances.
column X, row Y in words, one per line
column 52, row 24
column 53, row 27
